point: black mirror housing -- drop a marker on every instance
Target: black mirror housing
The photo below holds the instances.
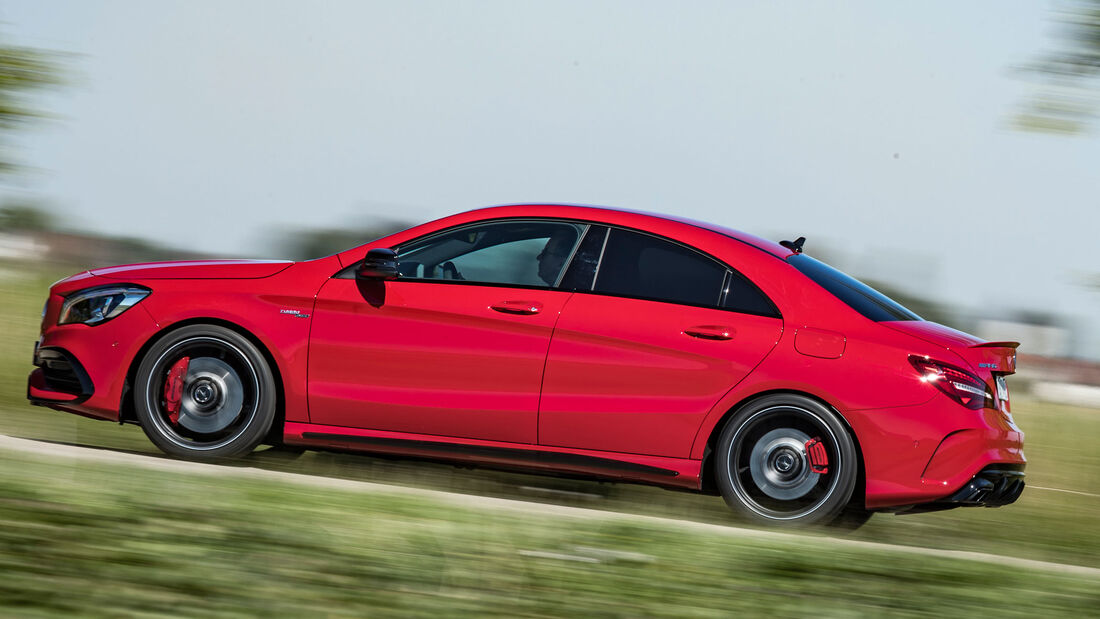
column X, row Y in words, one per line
column 380, row 263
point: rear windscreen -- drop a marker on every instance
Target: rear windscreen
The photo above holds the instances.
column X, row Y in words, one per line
column 857, row 295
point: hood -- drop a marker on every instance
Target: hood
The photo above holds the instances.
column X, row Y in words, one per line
column 195, row 269
column 983, row 356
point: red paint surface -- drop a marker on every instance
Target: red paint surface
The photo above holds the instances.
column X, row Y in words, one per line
column 623, row 376
column 618, row 379
column 432, row 359
column 819, row 343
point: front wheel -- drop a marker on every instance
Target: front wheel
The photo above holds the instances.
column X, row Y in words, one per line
column 205, row 392
column 786, row 460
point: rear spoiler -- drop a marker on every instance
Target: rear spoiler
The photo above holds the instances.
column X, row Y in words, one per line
column 1012, row 345
column 997, row 357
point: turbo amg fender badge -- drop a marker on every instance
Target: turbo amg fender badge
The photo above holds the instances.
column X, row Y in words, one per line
column 291, row 312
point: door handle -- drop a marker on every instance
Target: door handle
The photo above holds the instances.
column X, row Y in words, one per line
column 710, row 332
column 517, row 307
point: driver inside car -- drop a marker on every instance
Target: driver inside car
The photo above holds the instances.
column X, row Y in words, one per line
column 553, row 255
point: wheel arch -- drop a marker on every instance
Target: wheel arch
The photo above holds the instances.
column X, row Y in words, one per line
column 127, row 413
column 706, row 471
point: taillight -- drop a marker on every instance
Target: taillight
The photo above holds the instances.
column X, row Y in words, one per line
column 959, row 385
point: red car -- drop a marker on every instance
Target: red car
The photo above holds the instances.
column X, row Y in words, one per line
column 565, row 339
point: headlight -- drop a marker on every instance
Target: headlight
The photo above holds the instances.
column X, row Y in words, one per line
column 96, row 305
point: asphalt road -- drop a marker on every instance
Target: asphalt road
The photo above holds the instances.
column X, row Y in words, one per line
column 55, row 450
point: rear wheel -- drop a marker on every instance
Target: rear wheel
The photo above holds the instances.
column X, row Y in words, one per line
column 205, row 392
column 786, row 460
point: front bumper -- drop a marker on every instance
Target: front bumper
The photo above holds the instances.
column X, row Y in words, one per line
column 60, row 378
column 82, row 369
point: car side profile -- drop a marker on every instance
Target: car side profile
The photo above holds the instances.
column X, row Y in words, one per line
column 562, row 339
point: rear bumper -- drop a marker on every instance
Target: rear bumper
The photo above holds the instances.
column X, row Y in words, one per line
column 928, row 453
column 993, row 486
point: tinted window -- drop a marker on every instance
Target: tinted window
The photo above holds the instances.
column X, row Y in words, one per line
column 638, row 265
column 743, row 296
column 857, row 295
column 582, row 270
column 524, row 253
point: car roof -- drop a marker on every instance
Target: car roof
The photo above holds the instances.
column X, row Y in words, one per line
column 616, row 215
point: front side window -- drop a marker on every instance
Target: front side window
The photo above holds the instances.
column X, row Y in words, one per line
column 519, row 253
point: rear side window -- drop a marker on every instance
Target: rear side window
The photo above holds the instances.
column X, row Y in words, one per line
column 646, row 267
column 743, row 296
column 857, row 295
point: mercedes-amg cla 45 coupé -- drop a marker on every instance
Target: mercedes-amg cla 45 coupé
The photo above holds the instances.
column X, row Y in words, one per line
column 563, row 339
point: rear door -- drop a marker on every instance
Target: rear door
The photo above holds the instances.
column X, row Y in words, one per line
column 455, row 347
column 636, row 363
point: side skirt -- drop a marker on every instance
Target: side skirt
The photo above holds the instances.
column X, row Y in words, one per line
column 661, row 471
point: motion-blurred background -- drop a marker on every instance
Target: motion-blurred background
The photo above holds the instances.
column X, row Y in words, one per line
column 947, row 153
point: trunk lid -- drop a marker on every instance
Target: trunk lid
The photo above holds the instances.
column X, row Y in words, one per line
column 989, row 361
column 984, row 357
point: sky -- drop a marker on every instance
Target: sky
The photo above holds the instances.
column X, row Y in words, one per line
column 880, row 131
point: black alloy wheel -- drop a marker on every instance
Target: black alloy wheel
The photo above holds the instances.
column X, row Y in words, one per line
column 786, row 459
column 205, row 392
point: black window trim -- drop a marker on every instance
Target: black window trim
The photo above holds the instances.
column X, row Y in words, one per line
column 572, row 254
column 724, row 291
column 348, row 272
column 599, row 261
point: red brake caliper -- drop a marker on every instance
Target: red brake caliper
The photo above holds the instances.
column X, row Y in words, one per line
column 819, row 460
column 173, row 388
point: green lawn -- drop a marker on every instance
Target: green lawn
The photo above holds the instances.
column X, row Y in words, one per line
column 95, row 539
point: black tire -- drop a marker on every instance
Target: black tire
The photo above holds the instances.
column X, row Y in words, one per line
column 228, row 395
column 763, row 470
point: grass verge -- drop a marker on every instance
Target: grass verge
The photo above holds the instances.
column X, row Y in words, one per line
column 97, row 539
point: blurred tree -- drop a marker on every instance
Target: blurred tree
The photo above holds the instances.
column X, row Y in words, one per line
column 25, row 217
column 309, row 244
column 1067, row 97
column 22, row 70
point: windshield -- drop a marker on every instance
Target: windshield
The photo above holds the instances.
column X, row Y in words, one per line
column 857, row 295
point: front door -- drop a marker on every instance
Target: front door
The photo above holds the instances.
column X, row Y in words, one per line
column 455, row 347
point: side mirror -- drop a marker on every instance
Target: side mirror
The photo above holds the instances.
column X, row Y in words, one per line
column 380, row 263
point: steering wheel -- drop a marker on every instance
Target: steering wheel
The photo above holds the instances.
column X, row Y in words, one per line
column 450, row 271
